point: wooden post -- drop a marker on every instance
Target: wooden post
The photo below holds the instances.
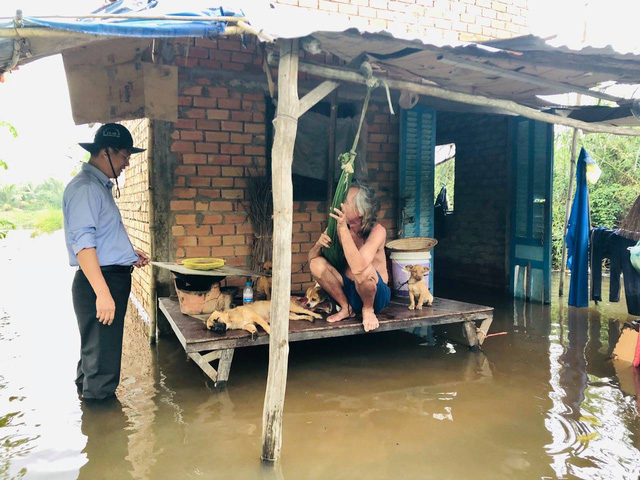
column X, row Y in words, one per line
column 331, row 164
column 286, row 126
column 572, row 174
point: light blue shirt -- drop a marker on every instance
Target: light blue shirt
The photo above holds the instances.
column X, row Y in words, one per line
column 92, row 219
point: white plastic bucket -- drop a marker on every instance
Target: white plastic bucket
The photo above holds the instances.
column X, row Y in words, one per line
column 399, row 260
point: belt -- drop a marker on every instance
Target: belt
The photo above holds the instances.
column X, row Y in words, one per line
column 117, row 268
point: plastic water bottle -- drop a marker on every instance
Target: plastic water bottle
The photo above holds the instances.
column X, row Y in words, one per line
column 247, row 294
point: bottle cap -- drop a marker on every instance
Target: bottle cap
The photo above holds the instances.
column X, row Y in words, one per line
column 248, row 284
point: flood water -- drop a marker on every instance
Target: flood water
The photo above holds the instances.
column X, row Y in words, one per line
column 543, row 401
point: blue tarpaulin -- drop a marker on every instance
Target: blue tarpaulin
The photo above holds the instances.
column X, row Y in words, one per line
column 144, row 28
column 578, row 237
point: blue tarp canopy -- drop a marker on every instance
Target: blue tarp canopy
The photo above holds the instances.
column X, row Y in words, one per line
column 143, row 28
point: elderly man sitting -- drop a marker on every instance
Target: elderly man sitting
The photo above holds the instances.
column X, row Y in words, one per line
column 362, row 286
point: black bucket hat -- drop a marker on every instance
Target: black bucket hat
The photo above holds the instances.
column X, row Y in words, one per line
column 112, row 135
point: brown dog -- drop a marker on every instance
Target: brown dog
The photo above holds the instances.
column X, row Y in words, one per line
column 418, row 291
column 263, row 284
column 246, row 317
column 317, row 300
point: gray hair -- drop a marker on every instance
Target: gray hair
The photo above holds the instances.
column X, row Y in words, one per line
column 368, row 206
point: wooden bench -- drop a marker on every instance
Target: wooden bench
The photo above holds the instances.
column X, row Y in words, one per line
column 196, row 339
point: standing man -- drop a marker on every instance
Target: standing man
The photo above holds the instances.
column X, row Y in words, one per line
column 98, row 244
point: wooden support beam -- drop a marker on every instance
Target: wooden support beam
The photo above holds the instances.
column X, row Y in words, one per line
column 348, row 75
column 315, row 95
column 286, row 126
column 524, row 77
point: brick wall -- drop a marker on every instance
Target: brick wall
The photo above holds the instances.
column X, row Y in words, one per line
column 134, row 207
column 475, row 247
column 450, row 20
column 220, row 140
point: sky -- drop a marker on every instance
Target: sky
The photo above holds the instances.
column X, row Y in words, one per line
column 35, row 99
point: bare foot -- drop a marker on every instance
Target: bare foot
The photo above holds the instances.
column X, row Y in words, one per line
column 369, row 321
column 341, row 315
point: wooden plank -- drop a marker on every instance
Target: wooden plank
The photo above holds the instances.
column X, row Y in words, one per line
column 286, row 126
column 194, row 336
column 224, row 366
column 204, row 365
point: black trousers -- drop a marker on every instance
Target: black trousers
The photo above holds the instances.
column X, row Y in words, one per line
column 98, row 371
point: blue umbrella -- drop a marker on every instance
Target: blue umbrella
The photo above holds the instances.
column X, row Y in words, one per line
column 578, row 237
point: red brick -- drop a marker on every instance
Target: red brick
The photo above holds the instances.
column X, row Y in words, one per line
column 198, row 52
column 203, row 80
column 219, row 160
column 222, row 251
column 241, row 116
column 240, row 182
column 186, row 123
column 233, row 45
column 221, row 206
column 221, row 137
column 254, row 127
column 236, row 194
column 180, row 182
column 186, row 219
column 186, row 62
column 194, row 158
column 236, row 260
column 199, row 181
column 185, row 101
column 195, row 113
column 233, row 240
column 241, row 57
column 231, row 126
column 231, row 149
column 205, row 102
column 232, row 171
column 217, row 114
column 220, row 55
column 229, row 103
column 254, row 150
column 240, row 137
column 207, row 147
column 185, row 170
column 185, row 242
column 258, row 117
column 186, row 147
column 224, row 229
column 191, row 135
column 202, row 206
column 210, row 241
column 242, row 160
column 198, row 230
column 222, row 182
column 184, row 192
column 177, row 205
column 256, row 97
column 209, row 171
column 195, row 90
column 208, row 125
column 209, row 192
column 198, row 251
column 206, row 43
column 311, row 227
column 218, row 92
column 302, row 217
column 212, row 219
column 180, row 253
column 244, row 228
column 177, row 230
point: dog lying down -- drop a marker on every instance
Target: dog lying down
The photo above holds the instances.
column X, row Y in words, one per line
column 246, row 317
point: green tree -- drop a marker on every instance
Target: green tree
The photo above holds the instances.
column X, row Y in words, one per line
column 5, row 225
column 611, row 198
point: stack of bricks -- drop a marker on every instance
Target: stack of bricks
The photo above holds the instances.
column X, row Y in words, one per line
column 134, row 207
column 448, row 20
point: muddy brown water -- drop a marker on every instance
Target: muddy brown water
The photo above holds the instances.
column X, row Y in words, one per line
column 543, row 401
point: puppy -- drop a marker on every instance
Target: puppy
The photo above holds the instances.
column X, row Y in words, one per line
column 246, row 317
column 317, row 299
column 264, row 283
column 418, row 291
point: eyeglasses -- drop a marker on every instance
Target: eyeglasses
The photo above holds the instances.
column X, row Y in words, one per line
column 126, row 154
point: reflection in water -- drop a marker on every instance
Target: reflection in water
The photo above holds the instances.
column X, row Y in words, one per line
column 543, row 401
column 592, row 424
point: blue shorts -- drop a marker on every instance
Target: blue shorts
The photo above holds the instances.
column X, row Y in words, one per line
column 383, row 294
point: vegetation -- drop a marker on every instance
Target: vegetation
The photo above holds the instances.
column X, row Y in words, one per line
column 445, row 177
column 6, row 225
column 611, row 198
column 31, row 206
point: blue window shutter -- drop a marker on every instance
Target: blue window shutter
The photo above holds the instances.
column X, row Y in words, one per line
column 417, row 154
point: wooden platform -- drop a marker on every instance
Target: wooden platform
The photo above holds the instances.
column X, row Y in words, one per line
column 195, row 338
